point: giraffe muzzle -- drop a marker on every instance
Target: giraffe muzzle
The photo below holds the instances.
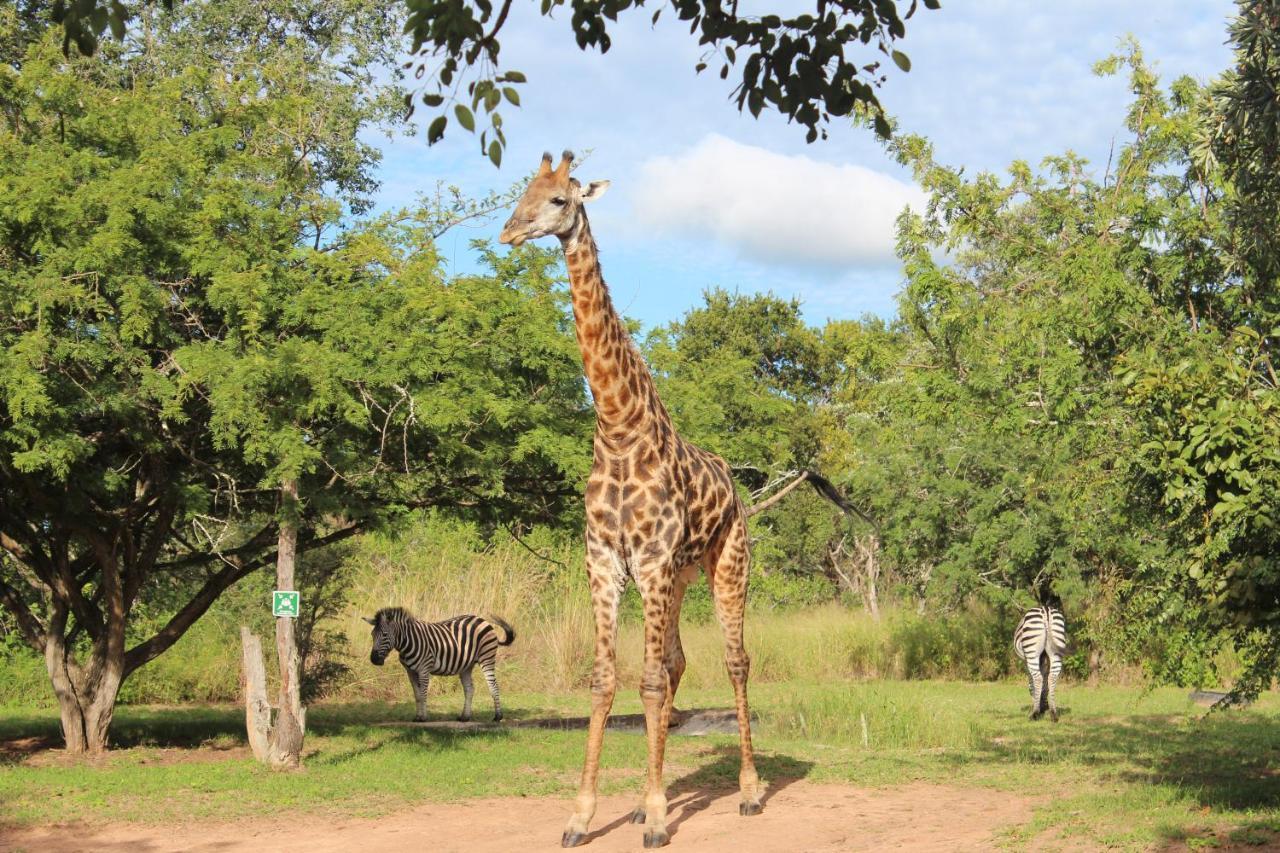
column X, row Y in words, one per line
column 511, row 233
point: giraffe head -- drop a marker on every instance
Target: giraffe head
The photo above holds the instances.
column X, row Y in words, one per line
column 551, row 205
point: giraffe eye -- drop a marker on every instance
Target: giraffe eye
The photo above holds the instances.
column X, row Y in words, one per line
column 559, row 202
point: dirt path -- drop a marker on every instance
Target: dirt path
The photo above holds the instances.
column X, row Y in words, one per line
column 801, row 816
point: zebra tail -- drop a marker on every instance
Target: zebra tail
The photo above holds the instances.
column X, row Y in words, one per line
column 511, row 632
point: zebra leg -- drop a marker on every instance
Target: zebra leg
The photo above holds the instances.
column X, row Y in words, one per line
column 1055, row 667
column 491, row 678
column 417, row 695
column 420, row 695
column 467, row 689
column 1034, row 684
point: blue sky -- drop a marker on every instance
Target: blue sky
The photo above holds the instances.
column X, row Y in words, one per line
column 705, row 197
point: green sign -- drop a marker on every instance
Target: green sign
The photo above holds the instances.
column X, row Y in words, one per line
column 284, row 603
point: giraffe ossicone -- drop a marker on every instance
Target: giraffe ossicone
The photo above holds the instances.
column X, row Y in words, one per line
column 658, row 509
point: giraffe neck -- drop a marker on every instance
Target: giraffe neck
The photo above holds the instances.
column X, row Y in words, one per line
column 625, row 398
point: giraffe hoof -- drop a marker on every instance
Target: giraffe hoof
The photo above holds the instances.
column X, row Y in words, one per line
column 638, row 816
column 572, row 839
column 748, row 809
column 656, row 838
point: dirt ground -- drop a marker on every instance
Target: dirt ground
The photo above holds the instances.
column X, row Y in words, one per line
column 800, row 816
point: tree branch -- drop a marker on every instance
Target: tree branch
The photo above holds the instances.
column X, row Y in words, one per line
column 232, row 572
column 28, row 623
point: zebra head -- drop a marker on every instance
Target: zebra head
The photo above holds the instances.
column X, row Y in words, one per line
column 383, row 642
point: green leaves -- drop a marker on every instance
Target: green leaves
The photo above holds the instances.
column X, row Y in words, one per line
column 465, row 118
column 435, row 131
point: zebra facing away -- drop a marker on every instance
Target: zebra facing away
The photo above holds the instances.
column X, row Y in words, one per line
column 451, row 647
column 1040, row 641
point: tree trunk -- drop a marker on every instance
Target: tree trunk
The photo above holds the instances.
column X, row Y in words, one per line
column 1095, row 666
column 290, row 723
column 86, row 696
column 869, row 547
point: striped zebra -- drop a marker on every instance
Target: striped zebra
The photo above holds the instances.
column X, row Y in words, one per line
column 1041, row 641
column 451, row 647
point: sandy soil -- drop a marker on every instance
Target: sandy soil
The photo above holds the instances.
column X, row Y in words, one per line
column 799, row 816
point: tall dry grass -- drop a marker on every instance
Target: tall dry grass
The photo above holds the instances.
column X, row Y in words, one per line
column 438, row 570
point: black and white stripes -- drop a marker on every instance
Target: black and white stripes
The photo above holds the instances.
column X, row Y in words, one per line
column 451, row 647
column 1040, row 641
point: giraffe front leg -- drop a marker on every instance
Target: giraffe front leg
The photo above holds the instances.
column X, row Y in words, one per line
column 673, row 662
column 604, row 603
column 655, row 688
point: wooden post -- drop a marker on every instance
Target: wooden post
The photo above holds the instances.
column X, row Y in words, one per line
column 257, row 710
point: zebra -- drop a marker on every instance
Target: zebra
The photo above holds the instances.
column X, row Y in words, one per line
column 451, row 647
column 1040, row 642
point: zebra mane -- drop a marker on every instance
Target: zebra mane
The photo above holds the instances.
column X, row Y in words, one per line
column 392, row 614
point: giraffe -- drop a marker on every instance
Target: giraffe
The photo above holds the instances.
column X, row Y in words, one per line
column 658, row 509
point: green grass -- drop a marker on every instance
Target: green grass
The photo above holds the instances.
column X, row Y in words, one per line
column 1123, row 769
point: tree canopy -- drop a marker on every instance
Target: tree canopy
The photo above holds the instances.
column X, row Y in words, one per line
column 192, row 318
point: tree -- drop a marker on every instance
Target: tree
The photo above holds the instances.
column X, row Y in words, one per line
column 809, row 67
column 188, row 327
column 1205, row 394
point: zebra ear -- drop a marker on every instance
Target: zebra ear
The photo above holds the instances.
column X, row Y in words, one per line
column 367, row 619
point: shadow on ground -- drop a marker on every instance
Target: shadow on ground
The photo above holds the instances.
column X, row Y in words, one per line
column 1225, row 760
column 698, row 789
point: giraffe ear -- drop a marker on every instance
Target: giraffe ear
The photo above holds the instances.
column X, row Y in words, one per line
column 594, row 190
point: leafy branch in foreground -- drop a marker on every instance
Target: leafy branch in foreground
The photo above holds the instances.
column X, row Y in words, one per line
column 810, row 66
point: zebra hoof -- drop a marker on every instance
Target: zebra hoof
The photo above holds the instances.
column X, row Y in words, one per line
column 656, row 838
column 419, row 719
column 572, row 839
column 638, row 816
column 1053, row 715
column 464, row 719
column 497, row 718
column 747, row 809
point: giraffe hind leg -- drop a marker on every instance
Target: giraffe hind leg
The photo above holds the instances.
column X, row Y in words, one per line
column 729, row 588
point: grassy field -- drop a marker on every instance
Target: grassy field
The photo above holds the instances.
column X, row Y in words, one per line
column 1123, row 769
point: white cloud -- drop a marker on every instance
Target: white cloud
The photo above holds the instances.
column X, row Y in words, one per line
column 776, row 208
